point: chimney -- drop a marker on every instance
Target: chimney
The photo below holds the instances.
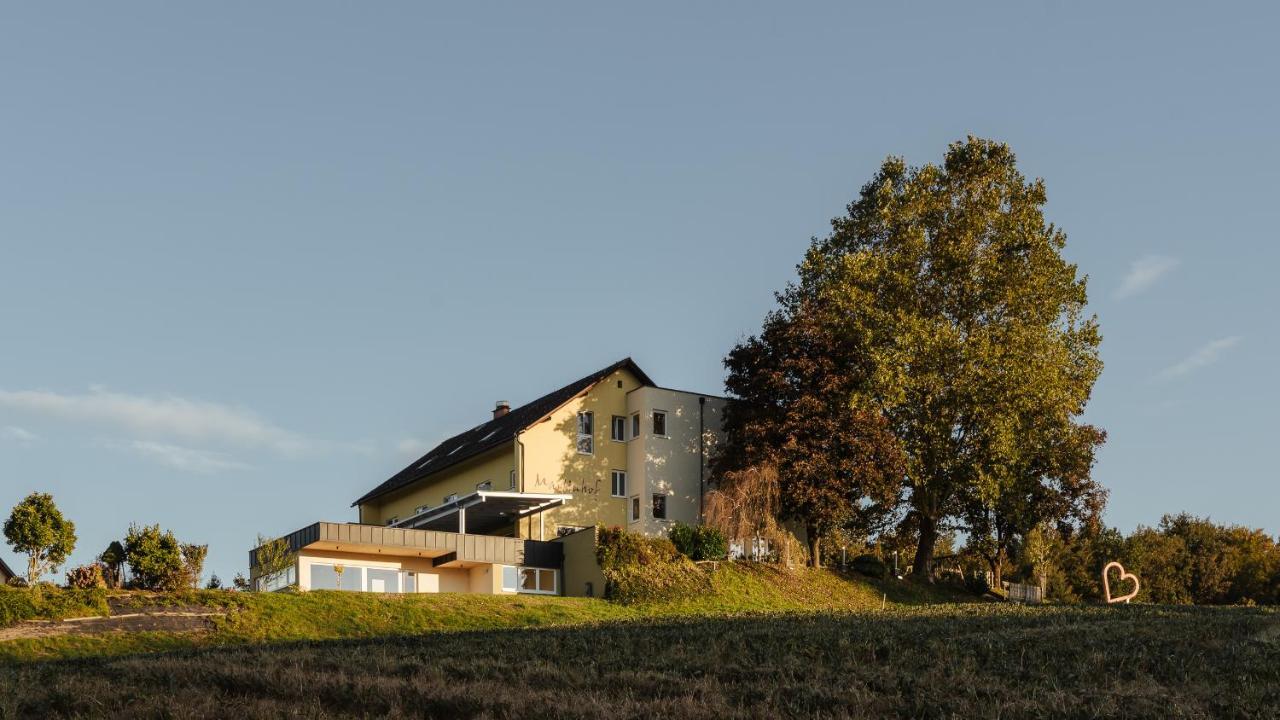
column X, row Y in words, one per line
column 500, row 408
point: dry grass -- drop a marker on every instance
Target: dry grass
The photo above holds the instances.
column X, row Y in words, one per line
column 943, row 662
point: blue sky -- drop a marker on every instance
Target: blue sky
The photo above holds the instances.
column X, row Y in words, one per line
column 253, row 257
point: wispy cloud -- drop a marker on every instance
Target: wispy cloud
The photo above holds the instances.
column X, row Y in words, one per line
column 1143, row 273
column 1206, row 355
column 164, row 416
column 203, row 462
column 15, row 434
column 411, row 447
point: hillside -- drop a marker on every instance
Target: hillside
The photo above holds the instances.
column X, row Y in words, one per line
column 105, row 625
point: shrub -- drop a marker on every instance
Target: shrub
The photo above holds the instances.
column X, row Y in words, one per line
column 869, row 565
column 616, row 547
column 154, row 557
column 49, row 603
column 86, row 577
column 699, row 542
column 644, row 569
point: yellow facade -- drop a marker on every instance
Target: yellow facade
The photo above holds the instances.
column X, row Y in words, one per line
column 545, row 459
column 552, row 463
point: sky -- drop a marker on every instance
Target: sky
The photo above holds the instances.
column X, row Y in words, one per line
column 254, row 258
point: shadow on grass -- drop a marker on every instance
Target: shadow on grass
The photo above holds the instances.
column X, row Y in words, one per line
column 961, row 661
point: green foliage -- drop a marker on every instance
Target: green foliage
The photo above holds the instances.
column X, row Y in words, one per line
column 113, row 560
column 869, row 565
column 617, row 548
column 86, row 577
column 644, row 569
column 978, row 348
column 49, row 603
column 154, row 557
column 193, row 563
column 36, row 528
column 271, row 556
column 699, row 542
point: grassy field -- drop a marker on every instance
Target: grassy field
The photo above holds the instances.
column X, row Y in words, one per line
column 764, row 643
column 943, row 662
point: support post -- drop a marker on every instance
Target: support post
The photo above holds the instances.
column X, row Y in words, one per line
column 462, row 521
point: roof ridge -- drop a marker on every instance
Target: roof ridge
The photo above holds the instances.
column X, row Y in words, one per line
column 505, row 428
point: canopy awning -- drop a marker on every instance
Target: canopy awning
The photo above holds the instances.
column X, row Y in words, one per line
column 482, row 511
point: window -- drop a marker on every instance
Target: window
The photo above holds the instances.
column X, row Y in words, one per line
column 382, row 580
column 619, row 428
column 537, row 580
column 510, row 575
column 486, row 485
column 660, row 423
column 659, row 507
column 336, row 577
column 586, row 433
column 513, row 479
column 410, row 583
column 619, row 483
column 635, row 508
column 635, row 426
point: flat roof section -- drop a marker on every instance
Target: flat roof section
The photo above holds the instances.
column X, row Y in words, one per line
column 402, row 542
column 483, row 511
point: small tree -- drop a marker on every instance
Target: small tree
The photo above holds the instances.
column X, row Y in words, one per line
column 273, row 556
column 154, row 557
column 36, row 528
column 193, row 563
column 112, row 560
column 215, row 582
column 239, row 582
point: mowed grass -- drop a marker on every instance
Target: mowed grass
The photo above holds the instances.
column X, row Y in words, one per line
column 256, row 618
column 953, row 661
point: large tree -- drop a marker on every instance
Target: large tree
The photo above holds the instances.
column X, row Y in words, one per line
column 972, row 320
column 36, row 528
column 792, row 410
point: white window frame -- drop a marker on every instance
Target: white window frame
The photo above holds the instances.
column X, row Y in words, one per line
column 614, row 487
column 666, row 428
column 588, row 437
column 635, row 425
column 635, row 510
column 614, row 422
column 515, row 587
column 537, row 574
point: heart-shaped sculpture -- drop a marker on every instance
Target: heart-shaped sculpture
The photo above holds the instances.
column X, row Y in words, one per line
column 1106, row 584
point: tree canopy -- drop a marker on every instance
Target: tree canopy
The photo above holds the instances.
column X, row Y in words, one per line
column 37, row 529
column 792, row 410
column 948, row 316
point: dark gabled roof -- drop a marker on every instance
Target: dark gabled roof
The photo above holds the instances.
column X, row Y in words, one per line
column 4, row 569
column 496, row 432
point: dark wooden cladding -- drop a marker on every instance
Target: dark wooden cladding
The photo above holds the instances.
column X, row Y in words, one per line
column 466, row 548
